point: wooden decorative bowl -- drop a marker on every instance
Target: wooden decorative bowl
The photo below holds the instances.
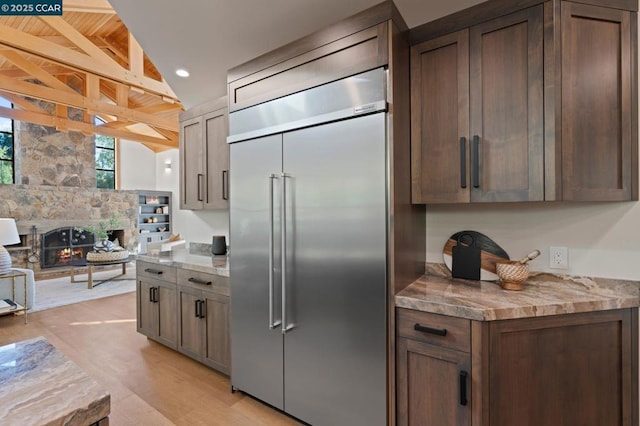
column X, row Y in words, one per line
column 512, row 274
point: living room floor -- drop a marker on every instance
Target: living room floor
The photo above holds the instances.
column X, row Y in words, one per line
column 149, row 384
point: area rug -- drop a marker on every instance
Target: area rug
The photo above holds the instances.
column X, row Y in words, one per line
column 61, row 291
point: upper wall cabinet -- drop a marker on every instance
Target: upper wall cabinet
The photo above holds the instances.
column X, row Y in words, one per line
column 204, row 157
column 599, row 74
column 525, row 105
column 477, row 118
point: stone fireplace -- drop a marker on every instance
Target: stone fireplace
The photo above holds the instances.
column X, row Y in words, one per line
column 55, row 188
column 68, row 246
column 42, row 209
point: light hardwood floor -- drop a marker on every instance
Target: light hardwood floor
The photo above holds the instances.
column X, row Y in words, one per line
column 149, row 384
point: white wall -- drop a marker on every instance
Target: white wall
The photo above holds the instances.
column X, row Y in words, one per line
column 137, row 166
column 193, row 226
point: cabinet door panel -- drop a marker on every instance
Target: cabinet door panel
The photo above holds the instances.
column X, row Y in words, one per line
column 191, row 326
column 563, row 370
column 506, row 65
column 217, row 157
column 440, row 117
column 192, row 173
column 596, row 103
column 429, row 385
column 167, row 314
column 217, row 332
column 147, row 313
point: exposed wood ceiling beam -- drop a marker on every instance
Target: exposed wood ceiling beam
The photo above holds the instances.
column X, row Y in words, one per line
column 87, row 6
column 84, row 103
column 54, row 53
column 66, row 30
column 34, row 70
column 79, row 126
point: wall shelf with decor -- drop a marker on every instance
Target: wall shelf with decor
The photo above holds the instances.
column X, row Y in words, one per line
column 154, row 217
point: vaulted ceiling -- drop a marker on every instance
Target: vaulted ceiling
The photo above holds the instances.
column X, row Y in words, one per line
column 85, row 61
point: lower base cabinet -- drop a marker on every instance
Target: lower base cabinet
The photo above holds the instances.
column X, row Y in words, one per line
column 574, row 369
column 185, row 310
column 204, row 327
column 156, row 303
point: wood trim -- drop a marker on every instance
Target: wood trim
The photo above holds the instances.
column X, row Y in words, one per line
column 465, row 18
column 373, row 16
column 634, row 111
column 479, row 373
column 488, row 10
column 204, row 108
column 552, row 102
column 80, row 126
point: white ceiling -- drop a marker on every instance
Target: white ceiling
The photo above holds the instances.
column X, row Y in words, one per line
column 207, row 37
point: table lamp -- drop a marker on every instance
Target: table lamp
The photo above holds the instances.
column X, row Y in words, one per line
column 8, row 235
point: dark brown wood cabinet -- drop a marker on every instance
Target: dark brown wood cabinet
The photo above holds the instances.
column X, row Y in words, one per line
column 557, row 370
column 477, row 105
column 156, row 303
column 597, row 113
column 526, row 105
column 204, row 157
column 203, row 331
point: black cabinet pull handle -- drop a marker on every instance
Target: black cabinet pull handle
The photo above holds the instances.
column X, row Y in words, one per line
column 200, row 177
column 199, row 281
column 203, row 309
column 463, row 387
column 463, row 162
column 436, row 331
column 151, row 298
column 156, row 294
column 476, row 161
column 197, row 306
column 225, row 184
column 154, row 271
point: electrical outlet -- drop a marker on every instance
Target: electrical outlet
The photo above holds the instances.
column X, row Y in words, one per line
column 558, row 258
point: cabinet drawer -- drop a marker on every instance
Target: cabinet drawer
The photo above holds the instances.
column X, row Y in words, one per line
column 155, row 271
column 457, row 335
column 204, row 281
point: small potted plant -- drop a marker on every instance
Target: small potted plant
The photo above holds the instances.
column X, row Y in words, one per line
column 101, row 234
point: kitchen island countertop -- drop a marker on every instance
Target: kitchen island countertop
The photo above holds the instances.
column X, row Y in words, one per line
column 543, row 294
column 39, row 385
column 181, row 258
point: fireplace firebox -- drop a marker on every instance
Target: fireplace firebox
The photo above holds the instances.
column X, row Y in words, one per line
column 65, row 247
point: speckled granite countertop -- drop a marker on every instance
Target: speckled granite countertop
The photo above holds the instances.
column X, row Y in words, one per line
column 218, row 265
column 543, row 294
column 40, row 386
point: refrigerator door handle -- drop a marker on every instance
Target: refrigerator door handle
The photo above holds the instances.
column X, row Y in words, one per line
column 272, row 322
column 283, row 233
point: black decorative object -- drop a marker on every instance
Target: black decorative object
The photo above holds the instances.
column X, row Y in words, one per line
column 466, row 258
column 218, row 245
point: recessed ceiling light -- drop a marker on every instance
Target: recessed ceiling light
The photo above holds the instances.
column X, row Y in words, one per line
column 182, row 73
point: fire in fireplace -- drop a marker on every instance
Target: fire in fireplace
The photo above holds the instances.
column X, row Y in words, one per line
column 65, row 247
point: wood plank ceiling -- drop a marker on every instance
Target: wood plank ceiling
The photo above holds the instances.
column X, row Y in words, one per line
column 85, row 60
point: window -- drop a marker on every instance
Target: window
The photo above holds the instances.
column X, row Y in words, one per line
column 105, row 160
column 6, row 146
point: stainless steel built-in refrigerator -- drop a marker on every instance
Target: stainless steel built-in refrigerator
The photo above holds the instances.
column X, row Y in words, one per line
column 308, row 269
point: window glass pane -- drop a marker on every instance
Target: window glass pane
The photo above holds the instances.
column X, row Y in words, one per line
column 6, row 146
column 5, row 125
column 6, row 171
column 105, row 179
column 105, row 141
column 5, row 103
column 105, row 159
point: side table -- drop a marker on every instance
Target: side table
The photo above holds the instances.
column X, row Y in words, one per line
column 10, row 306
